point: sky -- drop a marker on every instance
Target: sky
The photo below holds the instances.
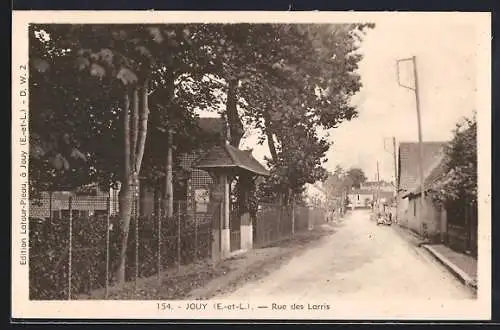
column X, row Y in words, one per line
column 446, row 60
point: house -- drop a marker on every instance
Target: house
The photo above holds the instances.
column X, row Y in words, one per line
column 367, row 195
column 378, row 186
column 454, row 223
column 315, row 195
column 408, row 181
column 361, row 198
column 88, row 200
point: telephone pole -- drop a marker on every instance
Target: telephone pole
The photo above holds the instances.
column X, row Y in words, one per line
column 415, row 88
column 394, row 156
column 396, row 185
column 395, row 162
column 378, row 185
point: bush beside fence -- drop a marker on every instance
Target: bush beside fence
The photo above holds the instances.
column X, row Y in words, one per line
column 73, row 252
column 60, row 272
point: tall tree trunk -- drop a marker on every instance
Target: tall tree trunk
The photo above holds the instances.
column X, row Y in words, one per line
column 125, row 197
column 168, row 194
column 269, row 135
column 233, row 118
column 135, row 124
column 132, row 151
column 143, row 128
column 236, row 132
column 282, row 195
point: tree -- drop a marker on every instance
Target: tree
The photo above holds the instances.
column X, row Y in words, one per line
column 460, row 179
column 107, row 83
column 117, row 68
column 306, row 84
column 357, row 177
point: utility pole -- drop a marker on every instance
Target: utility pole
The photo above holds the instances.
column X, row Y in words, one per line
column 396, row 185
column 415, row 88
column 378, row 186
column 395, row 162
column 394, row 154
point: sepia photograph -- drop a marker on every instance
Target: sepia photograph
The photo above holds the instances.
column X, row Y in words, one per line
column 251, row 165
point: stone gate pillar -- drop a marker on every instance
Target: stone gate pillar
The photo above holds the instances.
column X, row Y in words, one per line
column 246, row 232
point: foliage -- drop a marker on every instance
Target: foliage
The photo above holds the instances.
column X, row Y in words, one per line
column 341, row 181
column 304, row 83
column 115, row 90
column 357, row 177
column 79, row 74
column 118, row 68
column 460, row 179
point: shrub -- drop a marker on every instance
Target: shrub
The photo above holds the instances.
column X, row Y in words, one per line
column 49, row 251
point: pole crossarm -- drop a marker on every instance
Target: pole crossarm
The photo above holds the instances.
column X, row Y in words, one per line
column 398, row 75
column 413, row 59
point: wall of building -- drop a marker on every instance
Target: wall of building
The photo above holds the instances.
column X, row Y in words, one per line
column 358, row 200
column 402, row 211
column 52, row 204
column 430, row 223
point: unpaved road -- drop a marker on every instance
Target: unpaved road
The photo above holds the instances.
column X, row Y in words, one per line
column 360, row 260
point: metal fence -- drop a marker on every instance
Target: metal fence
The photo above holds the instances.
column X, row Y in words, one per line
column 75, row 243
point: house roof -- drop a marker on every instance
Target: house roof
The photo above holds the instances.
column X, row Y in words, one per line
column 408, row 164
column 385, row 194
column 227, row 156
column 434, row 173
column 361, row 192
column 376, row 184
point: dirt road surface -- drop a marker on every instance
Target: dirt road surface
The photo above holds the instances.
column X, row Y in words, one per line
column 358, row 261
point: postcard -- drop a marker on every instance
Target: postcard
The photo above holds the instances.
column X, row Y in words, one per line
column 251, row 165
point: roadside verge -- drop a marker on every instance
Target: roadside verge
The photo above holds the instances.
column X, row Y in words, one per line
column 461, row 266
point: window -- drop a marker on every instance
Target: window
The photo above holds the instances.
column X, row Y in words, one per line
column 358, row 197
column 100, row 213
column 414, row 207
column 56, row 215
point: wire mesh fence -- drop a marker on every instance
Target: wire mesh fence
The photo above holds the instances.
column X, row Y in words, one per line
column 75, row 243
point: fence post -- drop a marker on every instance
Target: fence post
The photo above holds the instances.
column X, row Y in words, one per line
column 50, row 208
column 70, row 208
column 108, row 211
column 158, row 215
column 278, row 223
column 178, row 234
column 136, row 216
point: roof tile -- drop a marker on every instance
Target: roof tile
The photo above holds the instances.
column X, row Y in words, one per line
column 409, row 165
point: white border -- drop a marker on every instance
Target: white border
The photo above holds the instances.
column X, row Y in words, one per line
column 386, row 309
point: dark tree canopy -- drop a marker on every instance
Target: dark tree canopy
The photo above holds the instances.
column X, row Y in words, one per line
column 357, row 176
column 459, row 181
